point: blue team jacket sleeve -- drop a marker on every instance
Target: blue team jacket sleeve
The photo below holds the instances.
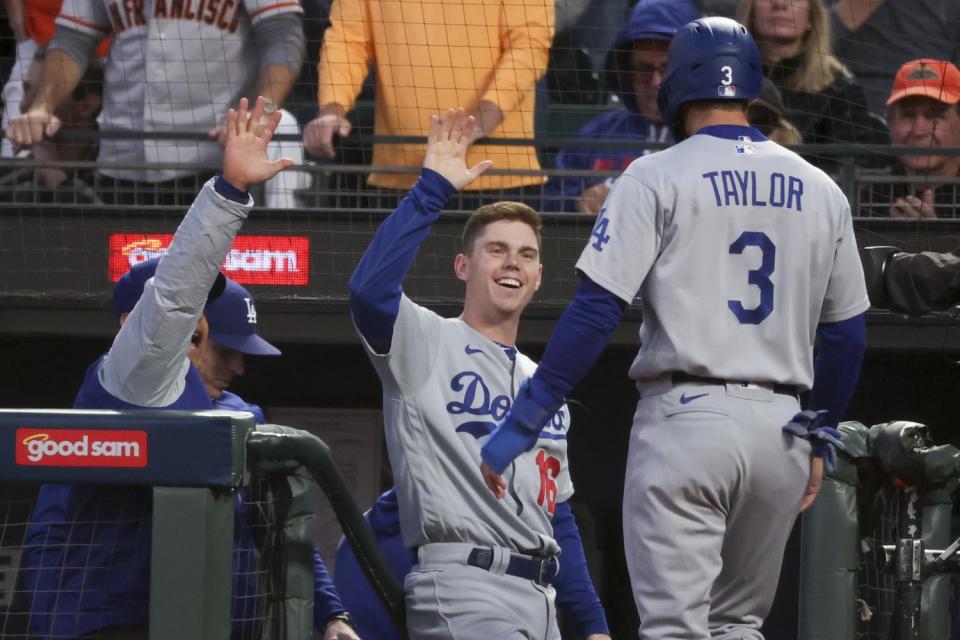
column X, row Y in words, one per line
column 837, row 366
column 576, row 596
column 377, row 283
column 578, row 339
column 326, row 600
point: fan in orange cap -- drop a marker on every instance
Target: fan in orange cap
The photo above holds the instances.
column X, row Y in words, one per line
column 923, row 111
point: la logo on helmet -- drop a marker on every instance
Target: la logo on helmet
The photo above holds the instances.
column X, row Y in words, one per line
column 251, row 311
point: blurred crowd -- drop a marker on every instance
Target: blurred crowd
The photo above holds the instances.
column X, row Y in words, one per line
column 123, row 103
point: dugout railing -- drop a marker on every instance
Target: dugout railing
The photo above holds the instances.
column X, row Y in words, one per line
column 340, row 183
column 196, row 463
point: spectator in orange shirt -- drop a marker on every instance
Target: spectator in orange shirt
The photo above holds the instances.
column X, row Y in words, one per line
column 483, row 56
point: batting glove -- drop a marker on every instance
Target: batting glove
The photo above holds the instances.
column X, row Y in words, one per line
column 825, row 440
column 518, row 432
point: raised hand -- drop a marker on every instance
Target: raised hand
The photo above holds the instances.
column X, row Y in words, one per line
column 245, row 160
column 448, row 140
column 32, row 127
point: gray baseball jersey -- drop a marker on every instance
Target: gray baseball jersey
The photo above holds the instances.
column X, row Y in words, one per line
column 738, row 248
column 445, row 388
column 174, row 65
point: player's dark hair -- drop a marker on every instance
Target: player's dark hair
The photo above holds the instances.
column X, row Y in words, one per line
column 490, row 213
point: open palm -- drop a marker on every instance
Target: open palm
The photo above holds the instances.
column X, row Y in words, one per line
column 245, row 160
column 447, row 143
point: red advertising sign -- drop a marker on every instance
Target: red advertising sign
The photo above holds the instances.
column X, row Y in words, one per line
column 269, row 260
column 81, row 448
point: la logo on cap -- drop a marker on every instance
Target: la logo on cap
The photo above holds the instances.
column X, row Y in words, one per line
column 251, row 311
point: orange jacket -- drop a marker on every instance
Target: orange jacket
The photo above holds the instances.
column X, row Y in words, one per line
column 432, row 55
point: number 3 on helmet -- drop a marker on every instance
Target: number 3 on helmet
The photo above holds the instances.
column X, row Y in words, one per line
column 709, row 59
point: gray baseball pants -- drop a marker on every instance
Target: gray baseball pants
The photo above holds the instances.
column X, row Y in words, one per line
column 713, row 488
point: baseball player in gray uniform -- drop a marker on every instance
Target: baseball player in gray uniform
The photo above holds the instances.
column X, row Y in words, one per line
column 484, row 566
column 743, row 254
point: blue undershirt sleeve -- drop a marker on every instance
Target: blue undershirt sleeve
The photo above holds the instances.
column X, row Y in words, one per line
column 326, row 600
column 576, row 596
column 377, row 283
column 837, row 366
column 578, row 339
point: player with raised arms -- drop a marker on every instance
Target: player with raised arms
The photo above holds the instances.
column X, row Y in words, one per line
column 742, row 254
column 87, row 553
column 484, row 567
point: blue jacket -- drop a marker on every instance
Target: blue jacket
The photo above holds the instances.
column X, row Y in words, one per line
column 649, row 20
column 622, row 124
column 87, row 548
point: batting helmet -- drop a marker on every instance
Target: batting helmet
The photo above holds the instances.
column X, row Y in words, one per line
column 709, row 59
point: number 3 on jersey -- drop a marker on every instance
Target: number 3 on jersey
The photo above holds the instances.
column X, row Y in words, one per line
column 759, row 277
column 549, row 470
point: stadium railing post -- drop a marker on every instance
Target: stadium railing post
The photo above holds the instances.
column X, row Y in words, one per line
column 191, row 564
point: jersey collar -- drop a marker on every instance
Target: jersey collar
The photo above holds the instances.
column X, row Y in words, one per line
column 732, row 132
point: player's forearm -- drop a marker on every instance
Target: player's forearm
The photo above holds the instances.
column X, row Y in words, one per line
column 326, row 599
column 61, row 75
column 377, row 283
column 576, row 596
column 853, row 13
column 147, row 360
column 837, row 366
column 578, row 339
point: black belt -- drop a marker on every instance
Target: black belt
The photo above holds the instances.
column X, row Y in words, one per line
column 543, row 571
column 682, row 376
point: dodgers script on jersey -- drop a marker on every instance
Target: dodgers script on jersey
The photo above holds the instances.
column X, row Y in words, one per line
column 745, row 232
column 444, row 392
column 174, row 65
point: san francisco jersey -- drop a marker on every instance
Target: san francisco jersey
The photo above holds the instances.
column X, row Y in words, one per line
column 738, row 249
column 445, row 389
column 174, row 65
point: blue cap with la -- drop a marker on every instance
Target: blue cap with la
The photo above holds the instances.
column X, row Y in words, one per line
column 232, row 318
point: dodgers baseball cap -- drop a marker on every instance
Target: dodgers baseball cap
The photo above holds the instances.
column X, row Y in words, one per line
column 129, row 287
column 937, row 79
column 232, row 319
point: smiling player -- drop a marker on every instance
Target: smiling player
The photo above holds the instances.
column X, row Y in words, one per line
column 485, row 567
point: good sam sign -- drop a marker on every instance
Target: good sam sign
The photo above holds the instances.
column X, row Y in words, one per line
column 265, row 260
column 81, row 448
